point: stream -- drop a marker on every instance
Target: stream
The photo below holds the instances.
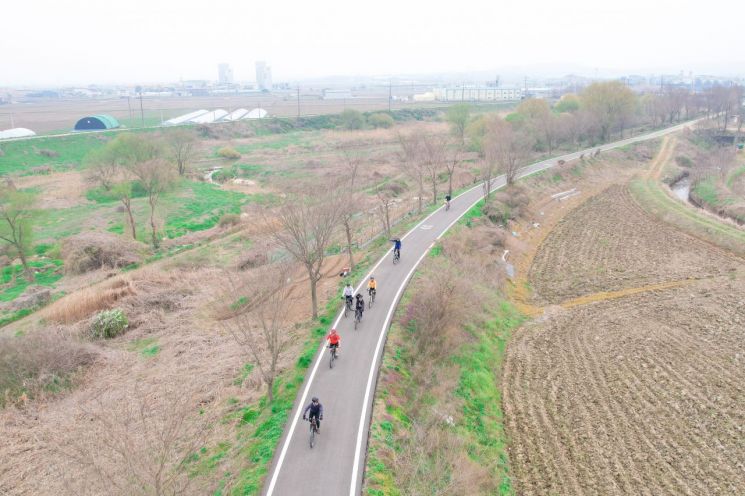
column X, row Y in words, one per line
column 682, row 188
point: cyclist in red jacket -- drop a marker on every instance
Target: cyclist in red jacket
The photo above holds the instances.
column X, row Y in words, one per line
column 334, row 340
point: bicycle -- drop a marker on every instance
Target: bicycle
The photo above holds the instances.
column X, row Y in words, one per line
column 332, row 358
column 371, row 292
column 313, row 431
column 396, row 256
column 357, row 318
column 347, row 305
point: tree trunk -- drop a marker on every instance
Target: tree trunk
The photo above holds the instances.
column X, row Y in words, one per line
column 156, row 243
column 26, row 269
column 421, row 194
column 128, row 206
column 450, row 182
column 348, row 230
column 434, row 191
column 313, row 295
column 269, row 387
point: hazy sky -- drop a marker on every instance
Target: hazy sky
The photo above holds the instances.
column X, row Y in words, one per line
column 74, row 42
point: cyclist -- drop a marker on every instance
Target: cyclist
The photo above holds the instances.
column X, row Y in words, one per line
column 334, row 341
column 316, row 411
column 447, row 202
column 359, row 305
column 348, row 294
column 372, row 286
column 396, row 247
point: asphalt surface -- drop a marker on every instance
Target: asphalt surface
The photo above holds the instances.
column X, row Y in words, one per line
column 335, row 466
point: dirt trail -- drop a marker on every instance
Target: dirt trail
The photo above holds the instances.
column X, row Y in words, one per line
column 633, row 380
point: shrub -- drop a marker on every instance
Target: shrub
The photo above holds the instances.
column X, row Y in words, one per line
column 37, row 363
column 683, row 161
column 229, row 152
column 108, row 324
column 380, row 119
column 229, row 220
column 96, row 250
column 352, row 119
column 48, row 153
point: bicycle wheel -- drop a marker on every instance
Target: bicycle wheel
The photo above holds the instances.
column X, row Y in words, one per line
column 312, row 435
column 332, row 352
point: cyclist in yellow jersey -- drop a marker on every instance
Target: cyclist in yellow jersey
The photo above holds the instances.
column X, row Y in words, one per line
column 372, row 287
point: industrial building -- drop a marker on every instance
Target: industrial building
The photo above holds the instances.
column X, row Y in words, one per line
column 263, row 76
column 224, row 74
column 96, row 122
column 478, row 94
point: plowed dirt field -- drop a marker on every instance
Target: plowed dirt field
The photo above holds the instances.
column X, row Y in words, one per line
column 641, row 392
column 609, row 243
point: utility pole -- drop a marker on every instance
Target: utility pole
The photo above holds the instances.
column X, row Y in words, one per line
column 298, row 102
column 129, row 104
column 390, row 95
column 142, row 112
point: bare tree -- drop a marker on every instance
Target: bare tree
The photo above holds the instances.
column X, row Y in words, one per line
column 308, row 225
column 182, row 145
column 411, row 163
column 156, row 176
column 260, row 323
column 505, row 149
column 452, row 161
column 432, row 151
column 140, row 444
column 103, row 166
column 16, row 213
column 385, row 200
column 352, row 162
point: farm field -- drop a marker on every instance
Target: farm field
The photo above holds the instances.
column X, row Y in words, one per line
column 631, row 379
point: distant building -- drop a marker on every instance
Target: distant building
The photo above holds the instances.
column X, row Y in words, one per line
column 224, row 74
column 478, row 94
column 95, row 122
column 263, row 76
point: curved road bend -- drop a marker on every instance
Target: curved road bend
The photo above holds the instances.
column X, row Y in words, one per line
column 335, row 466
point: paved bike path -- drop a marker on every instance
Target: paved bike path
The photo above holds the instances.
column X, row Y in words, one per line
column 335, row 465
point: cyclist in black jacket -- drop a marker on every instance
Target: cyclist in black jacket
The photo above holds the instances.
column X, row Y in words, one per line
column 316, row 410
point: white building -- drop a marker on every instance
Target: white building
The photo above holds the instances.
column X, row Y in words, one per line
column 224, row 74
column 263, row 76
column 478, row 94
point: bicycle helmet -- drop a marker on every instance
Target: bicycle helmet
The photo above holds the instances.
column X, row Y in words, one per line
column 315, row 399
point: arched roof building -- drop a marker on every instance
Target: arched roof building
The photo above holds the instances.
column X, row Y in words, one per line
column 94, row 122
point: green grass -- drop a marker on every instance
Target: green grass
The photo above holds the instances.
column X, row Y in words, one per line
column 188, row 207
column 147, row 347
column 14, row 284
column 481, row 426
column 20, row 156
column 199, row 206
column 734, row 175
column 475, row 212
column 708, row 192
